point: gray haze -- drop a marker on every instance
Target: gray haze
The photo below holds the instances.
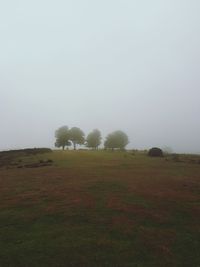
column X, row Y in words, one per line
column 109, row 64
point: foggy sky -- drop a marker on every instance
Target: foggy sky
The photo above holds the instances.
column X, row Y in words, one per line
column 109, row 64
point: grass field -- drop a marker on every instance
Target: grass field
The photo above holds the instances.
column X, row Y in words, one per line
column 100, row 209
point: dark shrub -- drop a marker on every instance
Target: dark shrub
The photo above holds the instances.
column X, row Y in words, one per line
column 155, row 152
column 34, row 151
column 20, row 166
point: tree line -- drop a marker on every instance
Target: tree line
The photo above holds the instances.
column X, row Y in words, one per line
column 66, row 137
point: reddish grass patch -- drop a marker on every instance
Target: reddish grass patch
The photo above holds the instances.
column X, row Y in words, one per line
column 123, row 224
column 140, row 212
column 158, row 241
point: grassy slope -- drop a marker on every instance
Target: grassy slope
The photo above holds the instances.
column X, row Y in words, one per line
column 100, row 209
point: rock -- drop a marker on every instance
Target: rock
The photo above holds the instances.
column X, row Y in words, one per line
column 155, row 152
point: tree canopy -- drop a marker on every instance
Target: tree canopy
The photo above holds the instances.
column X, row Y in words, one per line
column 66, row 137
column 117, row 139
column 93, row 139
column 62, row 137
column 77, row 136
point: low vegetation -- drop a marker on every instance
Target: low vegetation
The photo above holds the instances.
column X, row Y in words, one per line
column 100, row 208
column 14, row 158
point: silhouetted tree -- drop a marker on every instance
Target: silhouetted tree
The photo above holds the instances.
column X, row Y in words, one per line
column 77, row 136
column 93, row 139
column 62, row 137
column 117, row 139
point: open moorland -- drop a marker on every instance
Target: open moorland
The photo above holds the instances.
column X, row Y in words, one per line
column 88, row 209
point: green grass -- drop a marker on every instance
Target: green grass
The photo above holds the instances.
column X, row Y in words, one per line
column 98, row 208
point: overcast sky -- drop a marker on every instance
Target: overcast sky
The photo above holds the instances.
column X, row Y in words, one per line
column 109, row 64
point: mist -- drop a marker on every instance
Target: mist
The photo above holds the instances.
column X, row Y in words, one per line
column 112, row 65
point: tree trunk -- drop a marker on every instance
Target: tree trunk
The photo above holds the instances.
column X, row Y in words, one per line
column 63, row 147
column 74, row 146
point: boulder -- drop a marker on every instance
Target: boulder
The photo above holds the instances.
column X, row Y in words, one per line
column 155, row 152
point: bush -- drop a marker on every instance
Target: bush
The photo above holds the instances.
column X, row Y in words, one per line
column 155, row 152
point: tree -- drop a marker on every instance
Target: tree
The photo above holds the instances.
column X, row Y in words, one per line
column 77, row 136
column 117, row 139
column 62, row 137
column 93, row 139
